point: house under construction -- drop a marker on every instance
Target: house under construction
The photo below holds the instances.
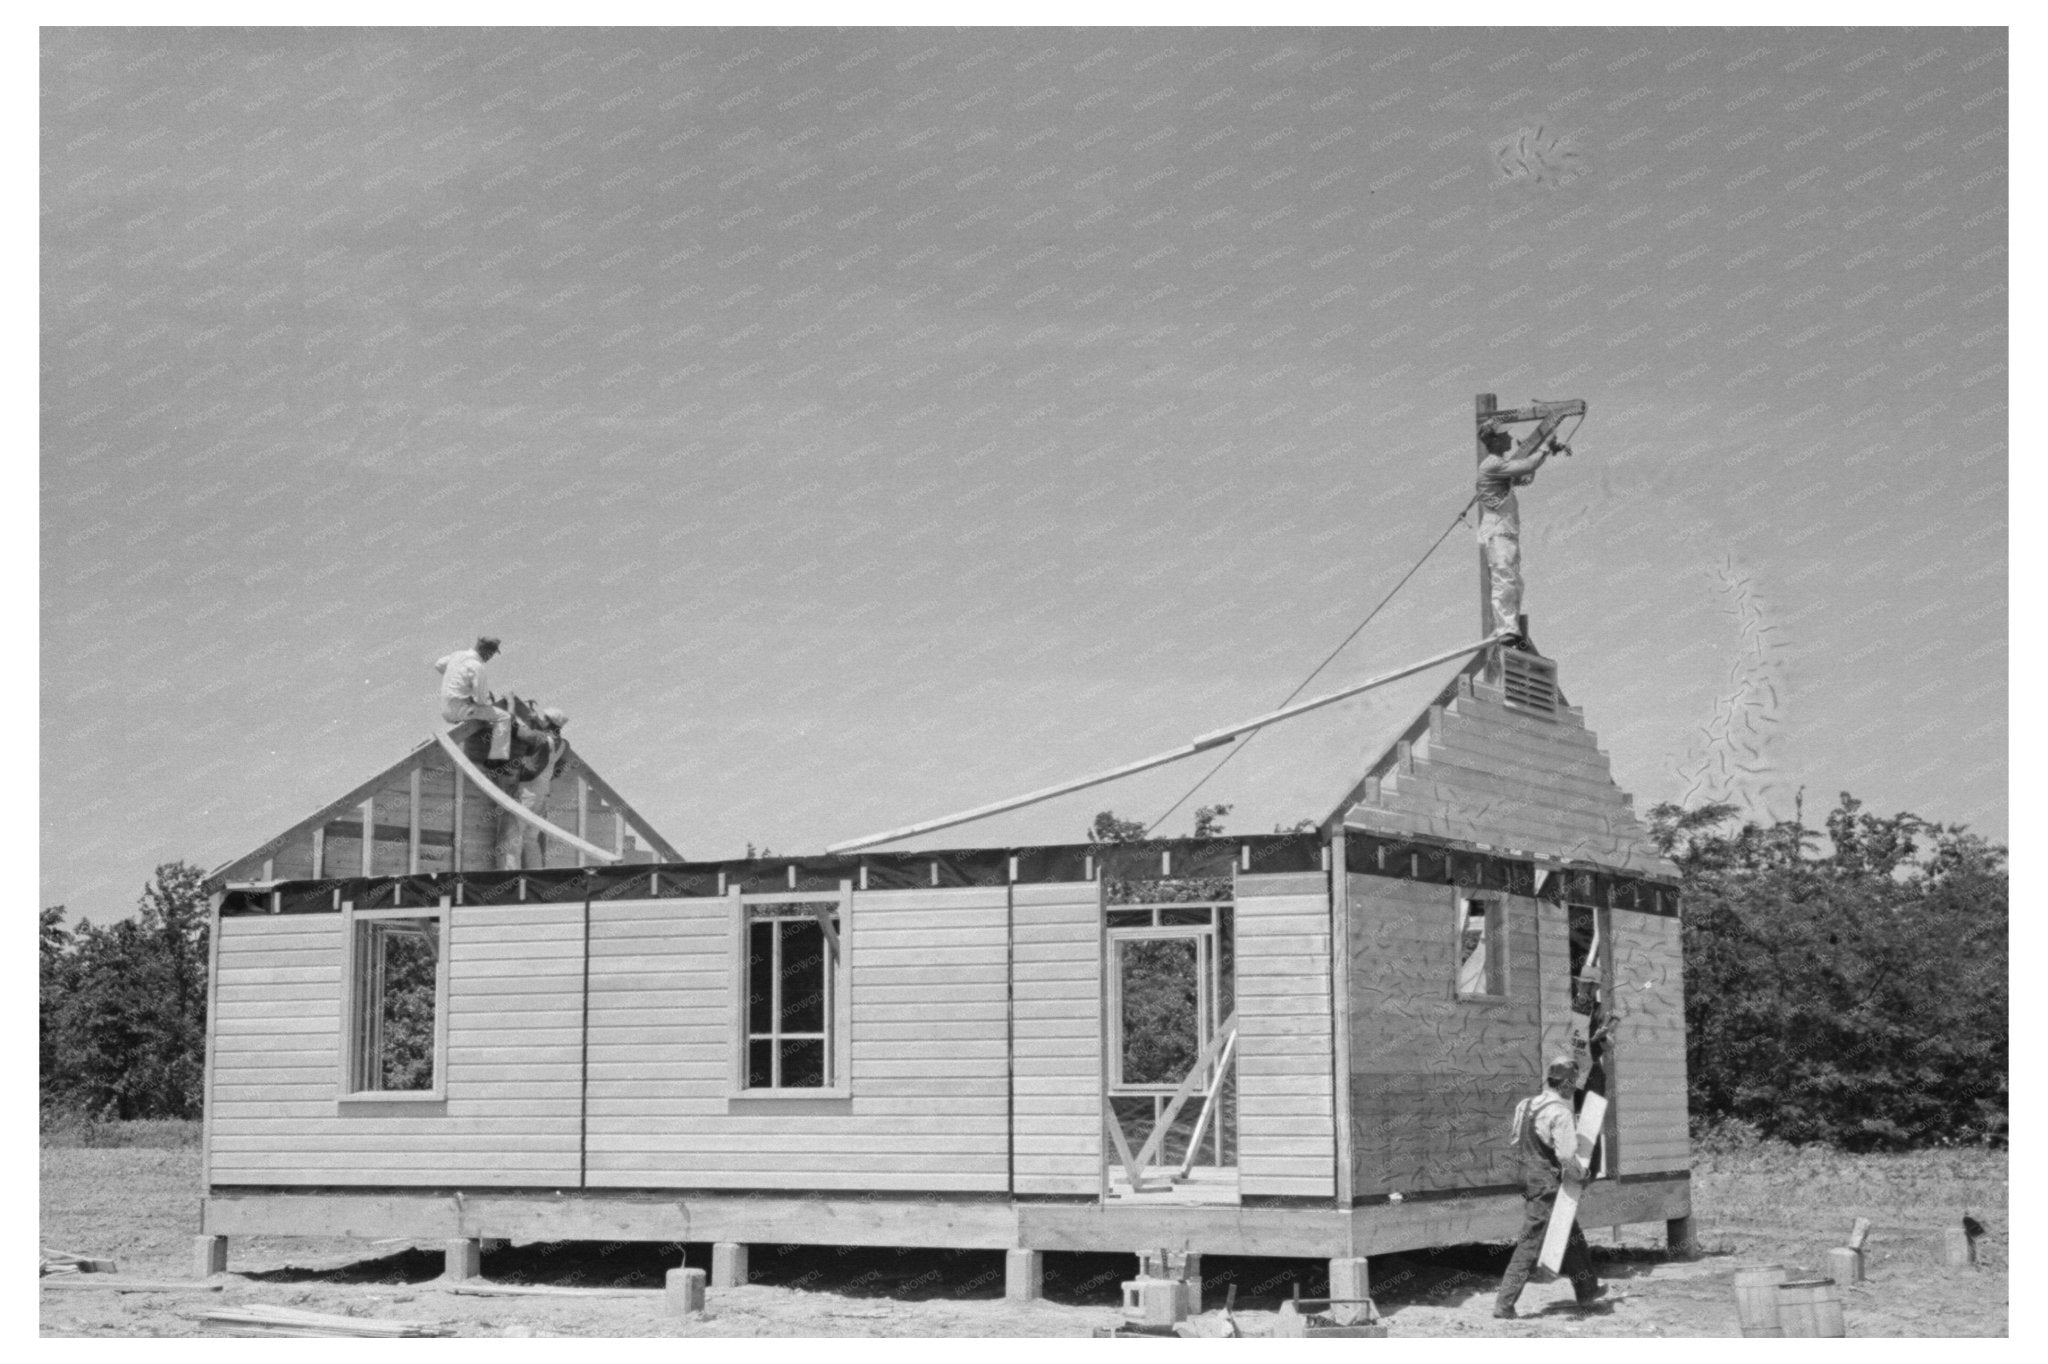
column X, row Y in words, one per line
column 1294, row 1044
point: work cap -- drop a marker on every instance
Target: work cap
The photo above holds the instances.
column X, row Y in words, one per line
column 555, row 716
column 1562, row 1064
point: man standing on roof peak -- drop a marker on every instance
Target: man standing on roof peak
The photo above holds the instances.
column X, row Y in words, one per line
column 1504, row 468
column 1546, row 1140
column 466, row 693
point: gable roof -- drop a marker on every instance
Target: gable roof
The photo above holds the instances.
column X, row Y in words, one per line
column 413, row 825
column 1475, row 769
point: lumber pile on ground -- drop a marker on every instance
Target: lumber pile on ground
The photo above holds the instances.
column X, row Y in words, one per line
column 69, row 1262
column 476, row 1288
column 291, row 1321
column 114, row 1283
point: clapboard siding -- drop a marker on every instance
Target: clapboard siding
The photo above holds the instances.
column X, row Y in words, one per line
column 1435, row 1076
column 510, row 1113
column 1056, row 1086
column 1285, row 1050
column 1649, row 1044
column 925, row 1108
column 1484, row 773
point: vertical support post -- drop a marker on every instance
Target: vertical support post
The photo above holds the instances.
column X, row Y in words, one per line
column 1340, row 1012
column 728, row 1264
column 465, row 1259
column 209, row 1256
column 320, row 853
column 1349, row 1279
column 685, row 1292
column 412, row 848
column 582, row 817
column 213, row 904
column 369, row 837
column 455, row 846
column 1482, row 407
column 1023, row 1275
column 1681, row 1238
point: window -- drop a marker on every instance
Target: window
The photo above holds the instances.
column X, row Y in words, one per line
column 793, row 1013
column 1482, row 950
column 398, row 986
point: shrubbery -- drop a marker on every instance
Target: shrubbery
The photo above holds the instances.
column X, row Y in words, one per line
column 124, row 1007
column 1857, row 998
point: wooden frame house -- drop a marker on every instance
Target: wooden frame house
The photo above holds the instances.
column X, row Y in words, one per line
column 933, row 1047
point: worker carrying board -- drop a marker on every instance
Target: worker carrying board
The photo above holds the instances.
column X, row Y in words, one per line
column 1545, row 1134
column 466, row 693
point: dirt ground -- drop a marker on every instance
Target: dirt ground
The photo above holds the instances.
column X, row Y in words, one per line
column 1765, row 1205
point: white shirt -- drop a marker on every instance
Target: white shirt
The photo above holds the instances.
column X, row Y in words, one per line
column 463, row 678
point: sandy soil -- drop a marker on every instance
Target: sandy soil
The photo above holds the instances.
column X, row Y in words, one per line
column 140, row 1206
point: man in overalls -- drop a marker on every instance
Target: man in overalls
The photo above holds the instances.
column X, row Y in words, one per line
column 1505, row 468
column 1546, row 1139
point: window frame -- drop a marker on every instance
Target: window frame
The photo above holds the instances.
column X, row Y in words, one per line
column 1497, row 985
column 354, row 998
column 839, row 1018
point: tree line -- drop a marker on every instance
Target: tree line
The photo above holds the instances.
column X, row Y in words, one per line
column 1856, row 996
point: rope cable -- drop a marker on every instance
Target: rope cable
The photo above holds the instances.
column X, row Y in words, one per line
column 1236, row 749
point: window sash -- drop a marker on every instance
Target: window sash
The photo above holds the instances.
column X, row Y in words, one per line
column 1482, row 972
column 777, row 919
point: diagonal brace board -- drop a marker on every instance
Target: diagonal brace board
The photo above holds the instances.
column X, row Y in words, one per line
column 1225, row 1036
column 511, row 806
column 1213, row 739
column 1208, row 1106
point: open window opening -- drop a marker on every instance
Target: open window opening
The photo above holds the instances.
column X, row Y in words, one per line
column 1482, row 950
column 398, row 999
column 1172, row 1098
column 792, row 1004
column 1588, row 958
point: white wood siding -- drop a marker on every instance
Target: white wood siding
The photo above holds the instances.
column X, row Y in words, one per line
column 1286, row 1109
column 1649, row 1044
column 513, row 1058
column 1057, row 1080
column 927, row 1105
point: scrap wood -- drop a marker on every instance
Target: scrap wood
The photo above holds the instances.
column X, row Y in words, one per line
column 66, row 1261
column 113, row 1283
column 262, row 1320
column 1858, row 1233
column 476, row 1289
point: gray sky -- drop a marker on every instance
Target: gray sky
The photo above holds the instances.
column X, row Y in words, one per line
column 846, row 427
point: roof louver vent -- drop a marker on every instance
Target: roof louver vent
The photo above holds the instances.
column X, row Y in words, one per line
column 1530, row 682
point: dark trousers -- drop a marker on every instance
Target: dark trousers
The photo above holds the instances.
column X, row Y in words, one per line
column 1578, row 1256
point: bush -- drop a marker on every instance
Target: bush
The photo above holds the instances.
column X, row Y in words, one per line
column 1857, row 998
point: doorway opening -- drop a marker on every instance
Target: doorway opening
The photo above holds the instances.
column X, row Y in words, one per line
column 1170, row 1105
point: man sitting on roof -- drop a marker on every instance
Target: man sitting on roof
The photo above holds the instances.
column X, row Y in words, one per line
column 466, row 693
column 539, row 754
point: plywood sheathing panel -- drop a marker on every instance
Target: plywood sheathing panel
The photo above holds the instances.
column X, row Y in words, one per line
column 1434, row 1076
column 1649, row 1043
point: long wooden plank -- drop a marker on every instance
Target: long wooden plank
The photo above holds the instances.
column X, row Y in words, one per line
column 1207, row 742
column 513, row 807
column 1592, row 1116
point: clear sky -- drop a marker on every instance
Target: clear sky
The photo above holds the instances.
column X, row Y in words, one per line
column 851, row 426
